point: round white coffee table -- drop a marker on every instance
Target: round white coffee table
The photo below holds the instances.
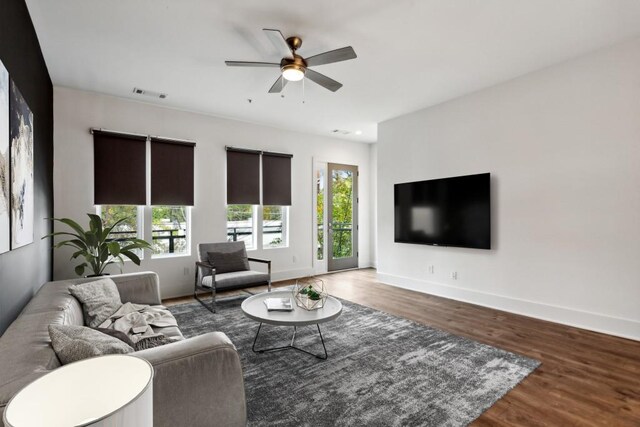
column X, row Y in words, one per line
column 114, row 390
column 255, row 308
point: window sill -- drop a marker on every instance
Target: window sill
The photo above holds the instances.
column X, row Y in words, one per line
column 170, row 256
column 270, row 248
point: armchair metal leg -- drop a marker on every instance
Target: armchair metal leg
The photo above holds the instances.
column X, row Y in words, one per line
column 211, row 306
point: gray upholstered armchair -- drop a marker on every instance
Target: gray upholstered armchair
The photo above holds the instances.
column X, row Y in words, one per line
column 224, row 266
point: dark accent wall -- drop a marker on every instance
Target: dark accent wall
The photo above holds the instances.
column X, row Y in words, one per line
column 24, row 270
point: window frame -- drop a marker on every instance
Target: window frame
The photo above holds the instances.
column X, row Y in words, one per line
column 255, row 214
column 188, row 234
column 144, row 224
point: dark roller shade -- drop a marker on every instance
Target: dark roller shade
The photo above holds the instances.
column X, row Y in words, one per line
column 276, row 179
column 119, row 169
column 243, row 177
column 171, row 173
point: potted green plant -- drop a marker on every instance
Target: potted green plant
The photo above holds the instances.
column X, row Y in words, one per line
column 97, row 245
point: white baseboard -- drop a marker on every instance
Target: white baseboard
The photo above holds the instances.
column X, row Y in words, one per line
column 624, row 328
column 366, row 264
column 291, row 274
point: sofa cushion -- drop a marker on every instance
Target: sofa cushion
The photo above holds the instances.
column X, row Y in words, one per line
column 237, row 279
column 225, row 262
column 100, row 299
column 72, row 343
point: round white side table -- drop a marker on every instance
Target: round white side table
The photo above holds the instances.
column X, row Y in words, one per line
column 113, row 391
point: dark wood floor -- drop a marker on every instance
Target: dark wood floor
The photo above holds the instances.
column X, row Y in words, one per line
column 586, row 378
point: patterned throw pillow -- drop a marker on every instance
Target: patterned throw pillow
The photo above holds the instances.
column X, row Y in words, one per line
column 226, row 262
column 72, row 343
column 99, row 299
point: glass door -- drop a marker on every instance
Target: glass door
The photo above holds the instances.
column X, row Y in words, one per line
column 342, row 217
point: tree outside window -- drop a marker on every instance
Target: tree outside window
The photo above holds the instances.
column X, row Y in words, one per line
column 342, row 194
column 320, row 213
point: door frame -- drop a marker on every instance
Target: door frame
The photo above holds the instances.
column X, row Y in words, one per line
column 352, row 261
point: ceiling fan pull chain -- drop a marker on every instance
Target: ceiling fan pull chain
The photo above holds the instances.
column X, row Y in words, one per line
column 303, row 90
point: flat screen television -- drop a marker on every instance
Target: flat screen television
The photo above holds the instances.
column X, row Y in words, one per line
column 444, row 212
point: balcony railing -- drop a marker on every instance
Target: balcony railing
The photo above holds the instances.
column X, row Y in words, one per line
column 157, row 237
column 234, row 232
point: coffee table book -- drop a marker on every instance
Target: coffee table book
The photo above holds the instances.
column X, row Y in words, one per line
column 279, row 304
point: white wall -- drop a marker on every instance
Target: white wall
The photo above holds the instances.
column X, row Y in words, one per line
column 563, row 147
column 76, row 111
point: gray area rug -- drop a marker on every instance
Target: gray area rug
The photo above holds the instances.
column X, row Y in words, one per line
column 382, row 370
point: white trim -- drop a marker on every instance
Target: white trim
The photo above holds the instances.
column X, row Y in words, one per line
column 625, row 328
column 277, row 276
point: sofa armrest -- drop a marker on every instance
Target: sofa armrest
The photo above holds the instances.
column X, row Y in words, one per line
column 197, row 382
column 139, row 288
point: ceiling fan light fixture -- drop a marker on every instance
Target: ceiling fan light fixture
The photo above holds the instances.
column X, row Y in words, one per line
column 293, row 72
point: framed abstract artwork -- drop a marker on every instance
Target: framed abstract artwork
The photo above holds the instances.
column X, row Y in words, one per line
column 21, row 170
column 5, row 207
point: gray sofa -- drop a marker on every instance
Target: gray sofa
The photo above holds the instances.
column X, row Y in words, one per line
column 198, row 381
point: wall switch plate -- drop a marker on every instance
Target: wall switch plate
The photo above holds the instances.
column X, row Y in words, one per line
column 454, row 275
column 431, row 269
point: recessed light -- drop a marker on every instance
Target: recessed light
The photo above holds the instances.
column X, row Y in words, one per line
column 358, row 132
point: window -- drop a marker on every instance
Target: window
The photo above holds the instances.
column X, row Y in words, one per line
column 258, row 197
column 240, row 224
column 155, row 181
column 274, row 227
column 131, row 226
column 320, row 213
column 169, row 229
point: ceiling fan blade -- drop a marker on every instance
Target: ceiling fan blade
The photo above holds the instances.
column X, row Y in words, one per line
column 279, row 42
column 342, row 54
column 278, row 85
column 323, row 80
column 251, row 64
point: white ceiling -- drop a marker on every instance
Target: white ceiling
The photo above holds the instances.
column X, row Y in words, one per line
column 411, row 53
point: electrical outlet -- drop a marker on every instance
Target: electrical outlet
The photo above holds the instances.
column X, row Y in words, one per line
column 454, row 275
column 432, row 269
column 186, row 271
column 294, row 259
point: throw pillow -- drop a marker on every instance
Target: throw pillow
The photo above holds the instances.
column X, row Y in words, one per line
column 226, row 262
column 72, row 343
column 99, row 299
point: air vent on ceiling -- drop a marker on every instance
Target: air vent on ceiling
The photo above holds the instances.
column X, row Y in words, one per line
column 150, row 93
column 341, row 131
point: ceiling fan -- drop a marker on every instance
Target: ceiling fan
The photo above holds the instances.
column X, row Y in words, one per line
column 294, row 67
